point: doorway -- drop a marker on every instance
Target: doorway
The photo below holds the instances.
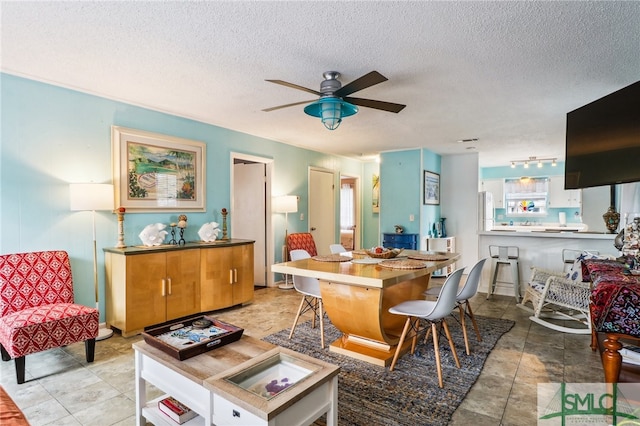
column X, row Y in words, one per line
column 250, row 204
column 349, row 212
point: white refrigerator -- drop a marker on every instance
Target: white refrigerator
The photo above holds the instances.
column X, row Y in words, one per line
column 485, row 211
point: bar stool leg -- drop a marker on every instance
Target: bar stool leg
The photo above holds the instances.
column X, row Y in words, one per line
column 494, row 276
column 515, row 272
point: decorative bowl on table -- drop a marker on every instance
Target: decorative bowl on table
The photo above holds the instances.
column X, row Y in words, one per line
column 384, row 253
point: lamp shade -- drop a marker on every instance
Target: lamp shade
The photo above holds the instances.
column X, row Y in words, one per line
column 285, row 204
column 331, row 111
column 90, row 196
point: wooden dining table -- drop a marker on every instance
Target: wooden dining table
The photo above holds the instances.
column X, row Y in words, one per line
column 357, row 296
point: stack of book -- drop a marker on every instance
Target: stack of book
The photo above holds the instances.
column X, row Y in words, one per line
column 176, row 410
column 630, row 354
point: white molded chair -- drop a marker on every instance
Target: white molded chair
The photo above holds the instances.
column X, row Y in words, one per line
column 433, row 313
column 469, row 290
column 337, row 248
column 462, row 300
column 311, row 298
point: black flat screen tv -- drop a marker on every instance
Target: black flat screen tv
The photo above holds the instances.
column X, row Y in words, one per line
column 603, row 141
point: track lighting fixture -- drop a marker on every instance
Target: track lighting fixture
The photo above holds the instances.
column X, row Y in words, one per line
column 539, row 161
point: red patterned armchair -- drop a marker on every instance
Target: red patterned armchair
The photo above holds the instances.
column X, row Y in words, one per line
column 37, row 310
column 302, row 241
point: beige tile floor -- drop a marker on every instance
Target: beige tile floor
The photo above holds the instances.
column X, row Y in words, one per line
column 62, row 389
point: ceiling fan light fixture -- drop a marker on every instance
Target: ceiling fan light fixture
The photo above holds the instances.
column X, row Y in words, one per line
column 331, row 111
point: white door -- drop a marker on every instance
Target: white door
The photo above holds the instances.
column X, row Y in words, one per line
column 249, row 212
column 322, row 221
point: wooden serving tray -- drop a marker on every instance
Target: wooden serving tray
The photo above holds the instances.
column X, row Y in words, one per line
column 182, row 340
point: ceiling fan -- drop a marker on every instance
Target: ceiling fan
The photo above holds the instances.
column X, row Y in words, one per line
column 335, row 103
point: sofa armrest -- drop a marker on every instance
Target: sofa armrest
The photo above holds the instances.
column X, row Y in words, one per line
column 10, row 414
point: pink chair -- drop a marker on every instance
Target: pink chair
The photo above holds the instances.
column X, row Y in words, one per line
column 302, row 241
column 37, row 310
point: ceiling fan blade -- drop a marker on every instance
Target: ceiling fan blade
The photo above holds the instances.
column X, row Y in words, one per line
column 370, row 103
column 295, row 86
column 286, row 106
column 367, row 80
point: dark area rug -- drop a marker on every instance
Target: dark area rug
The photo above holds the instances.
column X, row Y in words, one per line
column 409, row 395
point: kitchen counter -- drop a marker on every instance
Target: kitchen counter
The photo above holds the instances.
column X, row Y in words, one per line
column 550, row 233
column 543, row 227
column 542, row 249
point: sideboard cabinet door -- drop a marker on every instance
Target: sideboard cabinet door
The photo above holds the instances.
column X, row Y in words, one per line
column 183, row 283
column 144, row 302
column 227, row 277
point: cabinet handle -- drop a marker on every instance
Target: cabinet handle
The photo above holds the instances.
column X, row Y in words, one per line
column 164, row 288
column 169, row 280
column 235, row 275
column 230, row 276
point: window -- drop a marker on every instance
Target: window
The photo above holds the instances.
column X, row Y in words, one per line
column 526, row 196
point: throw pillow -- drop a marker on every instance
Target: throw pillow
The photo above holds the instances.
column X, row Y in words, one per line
column 577, row 272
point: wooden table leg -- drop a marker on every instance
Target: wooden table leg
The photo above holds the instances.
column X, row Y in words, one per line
column 370, row 332
column 611, row 358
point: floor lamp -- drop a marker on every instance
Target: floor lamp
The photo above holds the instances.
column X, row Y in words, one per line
column 92, row 197
column 286, row 204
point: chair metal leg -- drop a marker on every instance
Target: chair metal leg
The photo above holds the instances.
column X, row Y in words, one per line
column 494, row 277
column 473, row 321
column 313, row 305
column 515, row 272
column 453, row 348
column 309, row 303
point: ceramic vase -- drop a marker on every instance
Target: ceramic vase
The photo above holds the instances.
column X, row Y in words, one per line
column 611, row 219
column 443, row 229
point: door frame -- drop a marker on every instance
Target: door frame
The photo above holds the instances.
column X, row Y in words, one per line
column 357, row 237
column 268, row 162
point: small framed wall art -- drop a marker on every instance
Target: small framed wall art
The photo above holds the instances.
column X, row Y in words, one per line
column 431, row 188
column 154, row 172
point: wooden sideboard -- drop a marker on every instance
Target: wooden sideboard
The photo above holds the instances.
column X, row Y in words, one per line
column 151, row 285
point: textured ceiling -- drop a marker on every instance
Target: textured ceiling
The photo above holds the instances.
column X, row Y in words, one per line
column 503, row 72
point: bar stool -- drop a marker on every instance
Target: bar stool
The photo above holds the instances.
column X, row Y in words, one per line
column 505, row 255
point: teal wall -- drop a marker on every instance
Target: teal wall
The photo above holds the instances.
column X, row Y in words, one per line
column 52, row 136
column 430, row 212
column 401, row 191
